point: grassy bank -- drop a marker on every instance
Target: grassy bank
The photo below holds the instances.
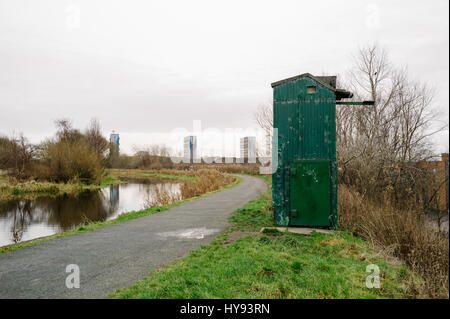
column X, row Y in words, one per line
column 11, row 189
column 157, row 174
column 120, row 218
column 31, row 189
column 243, row 263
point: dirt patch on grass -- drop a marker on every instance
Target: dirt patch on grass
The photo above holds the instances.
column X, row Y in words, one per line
column 233, row 236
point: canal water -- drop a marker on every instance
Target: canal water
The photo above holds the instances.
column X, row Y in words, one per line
column 22, row 220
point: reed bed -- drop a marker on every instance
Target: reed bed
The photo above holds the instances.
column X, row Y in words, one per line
column 203, row 181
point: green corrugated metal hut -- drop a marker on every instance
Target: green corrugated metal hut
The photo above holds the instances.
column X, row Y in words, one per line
column 305, row 182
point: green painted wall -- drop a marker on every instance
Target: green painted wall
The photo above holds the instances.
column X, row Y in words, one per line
column 306, row 124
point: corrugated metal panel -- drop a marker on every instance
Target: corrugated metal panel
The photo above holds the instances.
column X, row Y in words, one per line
column 306, row 124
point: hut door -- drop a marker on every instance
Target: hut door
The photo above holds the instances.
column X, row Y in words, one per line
column 310, row 193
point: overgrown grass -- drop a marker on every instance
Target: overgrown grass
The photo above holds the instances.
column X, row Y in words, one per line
column 251, row 169
column 274, row 265
column 193, row 182
column 179, row 175
column 120, row 218
column 176, row 177
column 400, row 233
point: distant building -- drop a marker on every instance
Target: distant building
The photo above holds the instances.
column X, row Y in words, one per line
column 248, row 149
column 436, row 189
column 114, row 139
column 190, row 149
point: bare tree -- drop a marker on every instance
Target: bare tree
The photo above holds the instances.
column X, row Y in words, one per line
column 153, row 156
column 264, row 117
column 164, row 150
column 66, row 132
column 379, row 146
column 16, row 155
column 95, row 138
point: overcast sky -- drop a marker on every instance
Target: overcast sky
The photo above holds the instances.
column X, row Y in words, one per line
column 145, row 68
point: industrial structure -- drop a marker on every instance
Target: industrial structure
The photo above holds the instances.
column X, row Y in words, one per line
column 190, row 149
column 248, row 149
column 305, row 182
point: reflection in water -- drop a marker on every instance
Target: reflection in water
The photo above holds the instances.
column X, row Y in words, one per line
column 28, row 219
column 113, row 196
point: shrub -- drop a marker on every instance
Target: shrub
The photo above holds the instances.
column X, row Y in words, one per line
column 71, row 155
column 16, row 155
column 65, row 161
column 207, row 180
column 401, row 233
